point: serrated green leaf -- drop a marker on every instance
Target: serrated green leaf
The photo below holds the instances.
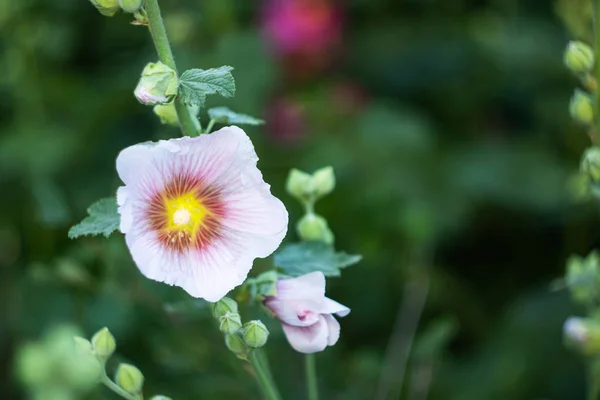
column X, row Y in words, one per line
column 224, row 115
column 301, row 258
column 103, row 219
column 195, row 84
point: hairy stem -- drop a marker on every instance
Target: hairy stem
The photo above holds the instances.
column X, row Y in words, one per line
column 311, row 377
column 263, row 377
column 165, row 55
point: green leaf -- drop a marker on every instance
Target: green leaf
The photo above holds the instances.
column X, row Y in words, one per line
column 103, row 219
column 224, row 115
column 196, row 84
column 301, row 258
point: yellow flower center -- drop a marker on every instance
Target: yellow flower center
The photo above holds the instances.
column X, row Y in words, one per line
column 185, row 213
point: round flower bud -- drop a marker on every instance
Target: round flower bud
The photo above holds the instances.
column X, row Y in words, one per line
column 255, row 334
column 157, row 85
column 130, row 6
column 323, row 181
column 590, row 163
column 108, row 8
column 129, row 378
column 300, row 184
column 224, row 306
column 583, row 334
column 235, row 344
column 167, row 114
column 160, row 397
column 314, row 227
column 103, row 343
column 581, row 107
column 579, row 57
column 230, row 322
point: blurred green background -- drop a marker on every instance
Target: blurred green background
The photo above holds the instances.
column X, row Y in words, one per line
column 446, row 122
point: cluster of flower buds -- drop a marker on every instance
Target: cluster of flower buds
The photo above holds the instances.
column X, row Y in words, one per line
column 308, row 189
column 579, row 58
column 240, row 338
column 128, row 377
column 56, row 367
column 109, row 8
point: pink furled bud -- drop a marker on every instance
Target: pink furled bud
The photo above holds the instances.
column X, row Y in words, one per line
column 305, row 312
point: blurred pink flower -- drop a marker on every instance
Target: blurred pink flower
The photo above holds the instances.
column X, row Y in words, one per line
column 305, row 30
column 305, row 312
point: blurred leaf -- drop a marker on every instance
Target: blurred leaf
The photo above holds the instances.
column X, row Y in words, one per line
column 224, row 115
column 195, row 84
column 103, row 219
column 436, row 337
column 302, row 258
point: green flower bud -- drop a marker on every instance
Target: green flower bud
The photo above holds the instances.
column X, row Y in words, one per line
column 314, row 227
column 130, row 6
column 157, row 85
column 108, row 8
column 224, row 306
column 167, row 114
column 83, row 346
column 129, row 378
column 581, row 107
column 583, row 278
column 255, row 334
column 323, row 181
column 236, row 344
column 34, row 367
column 300, row 184
column 590, row 163
column 160, row 397
column 104, row 343
column 583, row 334
column 230, row 323
column 579, row 57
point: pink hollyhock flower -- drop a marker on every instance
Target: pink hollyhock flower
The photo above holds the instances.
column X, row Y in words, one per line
column 305, row 312
column 196, row 212
column 301, row 26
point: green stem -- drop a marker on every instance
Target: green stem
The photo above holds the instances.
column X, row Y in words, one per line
column 165, row 55
column 118, row 389
column 264, row 380
column 597, row 64
column 210, row 126
column 311, row 377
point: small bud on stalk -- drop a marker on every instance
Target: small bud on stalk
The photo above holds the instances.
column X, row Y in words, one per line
column 323, row 181
column 167, row 114
column 236, row 345
column 255, row 334
column 230, row 322
column 314, row 227
column 130, row 6
column 224, row 306
column 581, row 107
column 590, row 163
column 157, row 85
column 104, row 343
column 108, row 8
column 300, row 185
column 579, row 57
column 129, row 378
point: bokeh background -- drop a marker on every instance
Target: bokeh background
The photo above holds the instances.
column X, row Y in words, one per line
column 446, row 123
